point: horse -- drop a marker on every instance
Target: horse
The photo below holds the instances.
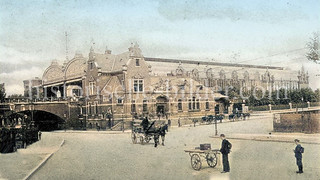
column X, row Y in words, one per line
column 161, row 131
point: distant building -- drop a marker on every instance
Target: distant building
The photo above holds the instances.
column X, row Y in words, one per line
column 32, row 87
column 129, row 84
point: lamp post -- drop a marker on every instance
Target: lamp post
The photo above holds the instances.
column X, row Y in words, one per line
column 113, row 114
column 122, row 121
column 215, row 126
column 302, row 104
column 32, row 108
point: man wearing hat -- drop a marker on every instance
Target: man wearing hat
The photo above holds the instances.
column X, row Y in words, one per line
column 225, row 151
column 298, row 154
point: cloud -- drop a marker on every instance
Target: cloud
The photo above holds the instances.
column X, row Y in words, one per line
column 234, row 10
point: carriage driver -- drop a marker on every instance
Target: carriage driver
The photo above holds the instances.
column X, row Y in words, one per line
column 145, row 123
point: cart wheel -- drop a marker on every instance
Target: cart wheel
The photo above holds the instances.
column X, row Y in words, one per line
column 196, row 162
column 134, row 138
column 211, row 159
column 141, row 140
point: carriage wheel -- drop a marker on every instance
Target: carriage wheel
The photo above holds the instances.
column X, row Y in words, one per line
column 211, row 159
column 134, row 138
column 196, row 162
column 147, row 139
column 141, row 140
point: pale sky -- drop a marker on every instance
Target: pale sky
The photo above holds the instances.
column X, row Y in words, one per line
column 270, row 32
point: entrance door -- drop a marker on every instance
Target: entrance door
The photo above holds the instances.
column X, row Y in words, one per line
column 160, row 109
column 162, row 105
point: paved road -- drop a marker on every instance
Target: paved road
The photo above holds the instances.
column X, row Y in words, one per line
column 113, row 156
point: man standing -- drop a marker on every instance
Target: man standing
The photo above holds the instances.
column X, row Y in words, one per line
column 225, row 150
column 298, row 154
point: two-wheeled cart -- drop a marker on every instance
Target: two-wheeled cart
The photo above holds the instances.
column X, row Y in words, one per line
column 209, row 155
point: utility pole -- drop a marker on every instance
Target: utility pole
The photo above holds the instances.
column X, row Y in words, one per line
column 67, row 58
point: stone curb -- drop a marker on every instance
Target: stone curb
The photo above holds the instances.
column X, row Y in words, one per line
column 94, row 132
column 268, row 140
column 43, row 162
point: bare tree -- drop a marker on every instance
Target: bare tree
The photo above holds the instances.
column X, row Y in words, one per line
column 313, row 46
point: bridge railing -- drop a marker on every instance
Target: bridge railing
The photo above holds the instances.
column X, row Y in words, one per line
column 28, row 100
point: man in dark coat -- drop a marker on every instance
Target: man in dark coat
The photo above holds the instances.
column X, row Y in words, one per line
column 145, row 123
column 225, row 151
column 298, row 154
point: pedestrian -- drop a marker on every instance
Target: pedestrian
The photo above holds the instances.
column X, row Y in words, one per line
column 225, row 150
column 163, row 129
column 298, row 154
column 39, row 135
column 179, row 124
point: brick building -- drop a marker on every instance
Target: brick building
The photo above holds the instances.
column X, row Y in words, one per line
column 129, row 84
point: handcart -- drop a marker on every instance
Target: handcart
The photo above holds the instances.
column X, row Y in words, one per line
column 209, row 155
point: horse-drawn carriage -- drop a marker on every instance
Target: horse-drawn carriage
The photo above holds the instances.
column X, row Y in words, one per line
column 144, row 131
column 239, row 115
column 210, row 118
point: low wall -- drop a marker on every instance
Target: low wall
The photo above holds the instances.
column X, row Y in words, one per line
column 306, row 121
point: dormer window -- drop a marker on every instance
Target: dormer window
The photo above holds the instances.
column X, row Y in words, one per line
column 137, row 62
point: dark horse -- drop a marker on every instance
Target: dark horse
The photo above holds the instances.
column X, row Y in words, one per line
column 161, row 131
column 150, row 129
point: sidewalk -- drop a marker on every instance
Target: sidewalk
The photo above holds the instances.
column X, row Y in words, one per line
column 277, row 137
column 20, row 164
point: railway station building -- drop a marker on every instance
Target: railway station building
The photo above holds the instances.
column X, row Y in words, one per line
column 129, row 85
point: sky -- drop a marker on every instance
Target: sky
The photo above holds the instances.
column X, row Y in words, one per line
column 269, row 32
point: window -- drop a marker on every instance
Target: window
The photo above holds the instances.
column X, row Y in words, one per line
column 95, row 108
column 120, row 100
column 179, row 105
column 137, row 62
column 198, row 104
column 145, row 106
column 89, row 109
column 181, row 87
column 207, row 104
column 91, row 65
column 91, row 88
column 133, row 106
column 194, row 104
column 138, row 85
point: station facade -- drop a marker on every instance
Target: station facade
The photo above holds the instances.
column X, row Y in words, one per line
column 130, row 85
